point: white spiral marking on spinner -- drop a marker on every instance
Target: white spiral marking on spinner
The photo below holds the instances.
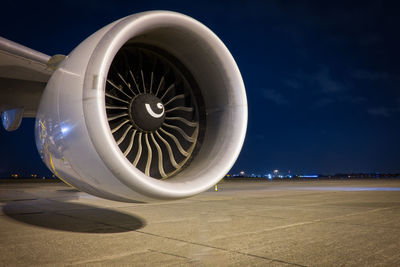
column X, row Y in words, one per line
column 152, row 113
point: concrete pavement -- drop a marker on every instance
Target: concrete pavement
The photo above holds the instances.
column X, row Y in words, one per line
column 315, row 223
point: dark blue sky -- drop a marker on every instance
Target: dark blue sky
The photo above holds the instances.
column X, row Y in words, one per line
column 322, row 78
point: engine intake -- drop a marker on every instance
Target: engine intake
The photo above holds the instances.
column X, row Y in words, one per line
column 151, row 106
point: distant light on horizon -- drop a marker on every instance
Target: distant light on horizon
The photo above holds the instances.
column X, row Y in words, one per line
column 309, row 176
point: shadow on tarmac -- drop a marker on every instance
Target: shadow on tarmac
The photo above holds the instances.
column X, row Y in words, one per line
column 71, row 217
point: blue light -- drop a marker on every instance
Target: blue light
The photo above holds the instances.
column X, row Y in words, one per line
column 345, row 188
column 309, row 176
column 65, row 130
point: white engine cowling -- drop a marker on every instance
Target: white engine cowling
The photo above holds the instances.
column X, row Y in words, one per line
column 150, row 107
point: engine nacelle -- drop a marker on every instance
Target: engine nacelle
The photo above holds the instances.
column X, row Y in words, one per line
column 150, row 107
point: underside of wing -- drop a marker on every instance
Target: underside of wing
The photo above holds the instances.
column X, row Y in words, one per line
column 24, row 73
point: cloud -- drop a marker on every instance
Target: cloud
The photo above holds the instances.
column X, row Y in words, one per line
column 324, row 79
column 358, row 100
column 323, row 102
column 276, row 97
column 342, row 100
column 260, row 136
column 370, row 39
column 370, row 75
column 292, row 84
column 379, row 111
column 397, row 109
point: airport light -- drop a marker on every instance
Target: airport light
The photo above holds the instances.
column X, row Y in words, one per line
column 309, row 176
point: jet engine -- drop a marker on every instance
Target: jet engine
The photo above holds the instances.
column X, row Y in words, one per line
column 150, row 107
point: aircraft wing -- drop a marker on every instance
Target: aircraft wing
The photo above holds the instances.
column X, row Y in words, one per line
column 24, row 73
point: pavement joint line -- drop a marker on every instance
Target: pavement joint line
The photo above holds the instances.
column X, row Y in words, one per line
column 219, row 248
column 310, row 222
column 255, row 215
column 365, row 225
column 23, row 199
column 266, row 197
column 167, row 253
column 95, row 221
column 256, row 195
column 105, row 258
column 21, row 214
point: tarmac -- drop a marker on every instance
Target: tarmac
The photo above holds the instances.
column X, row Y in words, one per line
column 312, row 223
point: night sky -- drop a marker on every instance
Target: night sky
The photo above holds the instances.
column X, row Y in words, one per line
column 322, row 77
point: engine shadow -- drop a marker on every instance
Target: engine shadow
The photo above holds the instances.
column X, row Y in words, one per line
column 72, row 217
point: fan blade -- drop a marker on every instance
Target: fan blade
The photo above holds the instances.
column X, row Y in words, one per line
column 160, row 157
column 185, row 121
column 139, row 153
column 129, row 148
column 149, row 155
column 180, row 148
